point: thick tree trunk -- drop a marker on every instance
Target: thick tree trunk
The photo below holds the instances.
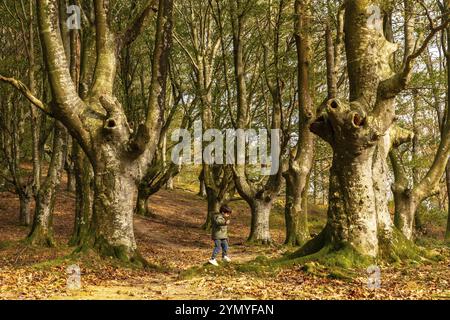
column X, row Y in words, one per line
column 447, row 179
column 297, row 231
column 169, row 184
column 213, row 206
column 25, row 199
column 352, row 213
column 202, row 189
column 42, row 231
column 84, row 197
column 260, row 222
column 404, row 218
column 142, row 208
column 97, row 121
column 115, row 195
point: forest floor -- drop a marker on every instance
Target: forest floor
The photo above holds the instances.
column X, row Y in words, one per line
column 174, row 241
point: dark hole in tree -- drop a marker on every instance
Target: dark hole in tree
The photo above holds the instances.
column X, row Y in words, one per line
column 334, row 104
column 358, row 120
column 111, row 123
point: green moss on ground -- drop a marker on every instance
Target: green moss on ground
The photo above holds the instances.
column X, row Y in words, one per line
column 402, row 250
column 344, row 262
column 6, row 244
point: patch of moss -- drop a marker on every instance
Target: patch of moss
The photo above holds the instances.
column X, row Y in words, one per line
column 327, row 262
column 338, row 263
column 401, row 250
column 6, row 244
column 207, row 269
column 118, row 254
column 259, row 268
column 45, row 265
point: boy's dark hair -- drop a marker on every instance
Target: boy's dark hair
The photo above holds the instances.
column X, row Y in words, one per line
column 225, row 209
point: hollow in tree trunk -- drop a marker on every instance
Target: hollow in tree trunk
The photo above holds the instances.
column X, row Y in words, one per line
column 359, row 133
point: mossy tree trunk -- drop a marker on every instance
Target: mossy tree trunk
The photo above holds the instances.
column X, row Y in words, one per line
column 84, row 195
column 301, row 160
column 259, row 196
column 361, row 133
column 97, row 122
column 260, row 222
column 25, row 199
column 42, row 230
column 203, row 52
column 297, row 231
column 159, row 173
column 142, row 204
column 202, row 188
column 408, row 199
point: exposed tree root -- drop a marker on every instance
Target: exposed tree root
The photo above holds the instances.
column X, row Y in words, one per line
column 121, row 254
column 400, row 249
column 259, row 242
column 321, row 257
column 393, row 250
column 39, row 238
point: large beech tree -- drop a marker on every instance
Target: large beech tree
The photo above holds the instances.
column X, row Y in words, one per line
column 408, row 198
column 259, row 195
column 300, row 163
column 97, row 121
column 201, row 43
column 361, row 132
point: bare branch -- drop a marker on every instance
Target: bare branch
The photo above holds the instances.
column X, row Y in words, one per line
column 27, row 93
column 138, row 25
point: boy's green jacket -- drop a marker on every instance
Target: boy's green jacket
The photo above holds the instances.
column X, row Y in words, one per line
column 219, row 226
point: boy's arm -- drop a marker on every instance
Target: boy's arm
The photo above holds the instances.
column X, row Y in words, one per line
column 220, row 220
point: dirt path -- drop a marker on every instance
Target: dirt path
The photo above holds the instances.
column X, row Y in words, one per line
column 174, row 239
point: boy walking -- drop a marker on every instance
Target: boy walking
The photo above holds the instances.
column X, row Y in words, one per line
column 220, row 221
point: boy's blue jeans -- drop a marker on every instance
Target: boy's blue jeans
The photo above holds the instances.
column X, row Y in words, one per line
column 220, row 244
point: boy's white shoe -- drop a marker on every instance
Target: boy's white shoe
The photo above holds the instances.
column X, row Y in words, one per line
column 213, row 262
column 226, row 259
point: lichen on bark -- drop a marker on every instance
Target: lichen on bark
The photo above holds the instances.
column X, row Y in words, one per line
column 359, row 132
